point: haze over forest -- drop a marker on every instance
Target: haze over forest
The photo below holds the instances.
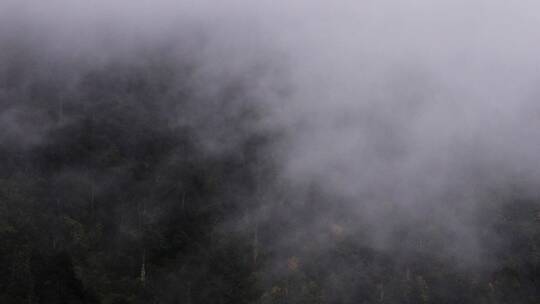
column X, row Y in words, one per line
column 374, row 151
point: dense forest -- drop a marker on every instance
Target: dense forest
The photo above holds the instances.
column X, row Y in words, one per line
column 111, row 193
column 139, row 168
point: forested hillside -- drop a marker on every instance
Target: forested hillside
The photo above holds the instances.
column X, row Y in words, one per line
column 269, row 152
column 112, row 193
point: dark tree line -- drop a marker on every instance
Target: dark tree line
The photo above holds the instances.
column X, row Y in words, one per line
column 127, row 184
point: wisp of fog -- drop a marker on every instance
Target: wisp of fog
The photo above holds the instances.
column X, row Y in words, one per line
column 391, row 114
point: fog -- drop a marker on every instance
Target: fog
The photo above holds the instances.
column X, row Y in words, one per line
column 395, row 113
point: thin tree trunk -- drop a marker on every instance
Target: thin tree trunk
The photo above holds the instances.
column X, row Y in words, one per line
column 143, row 269
column 256, row 243
column 92, row 199
column 142, row 211
column 408, row 274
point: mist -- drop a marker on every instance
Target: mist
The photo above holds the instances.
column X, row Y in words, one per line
column 403, row 128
